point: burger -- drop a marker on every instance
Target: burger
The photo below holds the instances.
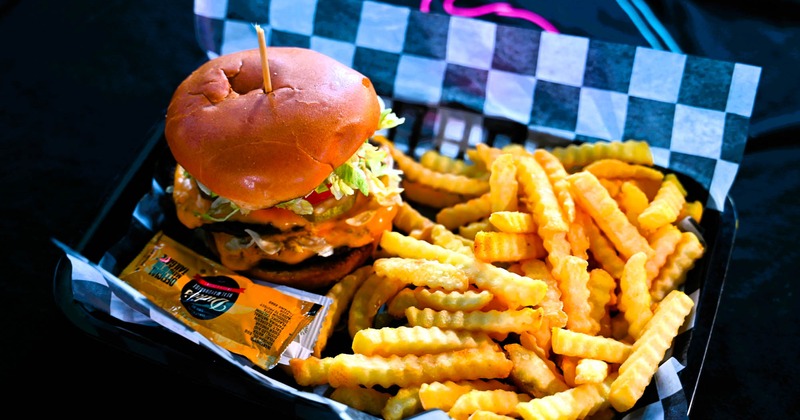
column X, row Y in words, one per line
column 283, row 181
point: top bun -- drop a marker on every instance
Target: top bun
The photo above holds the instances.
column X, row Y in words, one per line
column 258, row 149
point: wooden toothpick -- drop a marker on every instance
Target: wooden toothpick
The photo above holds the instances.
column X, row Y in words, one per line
column 262, row 48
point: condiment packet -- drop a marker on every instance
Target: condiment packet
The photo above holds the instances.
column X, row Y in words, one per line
column 254, row 320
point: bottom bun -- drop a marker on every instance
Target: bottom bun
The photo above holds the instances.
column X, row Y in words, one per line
column 316, row 273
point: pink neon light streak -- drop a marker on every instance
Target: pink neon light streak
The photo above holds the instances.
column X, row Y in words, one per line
column 500, row 9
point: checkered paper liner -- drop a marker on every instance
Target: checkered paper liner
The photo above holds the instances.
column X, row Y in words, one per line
column 473, row 77
column 693, row 111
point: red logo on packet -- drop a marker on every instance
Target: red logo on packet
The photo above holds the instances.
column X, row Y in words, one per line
column 209, row 297
column 205, row 283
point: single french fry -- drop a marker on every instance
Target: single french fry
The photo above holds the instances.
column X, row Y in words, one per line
column 567, row 364
column 578, row 236
column 693, row 209
column 580, row 155
column 498, row 401
column 511, row 289
column 412, row 370
column 575, row 403
column 664, row 208
column 368, row 400
column 557, row 175
column 632, row 200
column 603, row 250
column 532, row 373
column 421, row 193
column 435, row 161
column 637, row 371
column 590, row 371
column 557, row 246
column 601, row 298
column 489, row 415
column 404, row 246
column 668, row 317
column 405, row 403
column 416, row 340
column 396, row 307
column 373, row 293
column 485, row 154
column 594, row 199
column 310, row 371
column 571, row 343
column 341, row 295
column 673, row 272
column 540, row 197
column 663, row 241
column 439, row 300
column 552, row 304
column 613, row 186
column 573, row 280
column 516, row 149
column 421, row 272
column 503, row 184
column 674, row 179
column 513, row 222
column 460, row 214
column 443, row 394
column 507, row 247
column 634, row 297
column 493, row 321
column 617, row 169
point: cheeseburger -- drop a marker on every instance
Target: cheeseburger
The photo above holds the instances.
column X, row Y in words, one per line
column 284, row 182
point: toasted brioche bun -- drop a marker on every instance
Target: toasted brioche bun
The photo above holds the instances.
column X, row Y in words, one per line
column 258, row 149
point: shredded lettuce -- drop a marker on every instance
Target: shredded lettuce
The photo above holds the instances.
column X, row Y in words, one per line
column 297, row 205
column 362, row 172
column 318, row 244
column 388, row 118
column 220, row 205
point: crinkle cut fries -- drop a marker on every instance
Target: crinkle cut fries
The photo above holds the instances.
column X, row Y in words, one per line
column 546, row 285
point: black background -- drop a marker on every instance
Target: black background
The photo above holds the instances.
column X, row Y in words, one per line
column 83, row 82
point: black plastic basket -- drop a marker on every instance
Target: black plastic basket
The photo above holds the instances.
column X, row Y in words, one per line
column 114, row 223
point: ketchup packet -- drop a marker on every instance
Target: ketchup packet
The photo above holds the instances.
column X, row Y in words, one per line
column 244, row 317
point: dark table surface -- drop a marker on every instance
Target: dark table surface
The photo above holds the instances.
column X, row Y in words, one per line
column 83, row 83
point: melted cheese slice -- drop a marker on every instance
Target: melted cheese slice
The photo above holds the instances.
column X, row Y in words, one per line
column 299, row 238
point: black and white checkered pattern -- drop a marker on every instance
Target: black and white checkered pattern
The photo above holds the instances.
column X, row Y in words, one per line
column 693, row 111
